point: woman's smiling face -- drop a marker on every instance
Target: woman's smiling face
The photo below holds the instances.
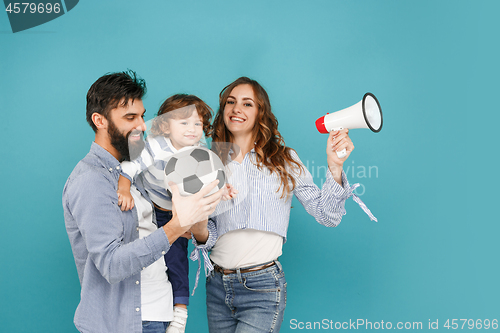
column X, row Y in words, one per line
column 240, row 110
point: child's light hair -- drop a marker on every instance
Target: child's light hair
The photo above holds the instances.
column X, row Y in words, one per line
column 181, row 106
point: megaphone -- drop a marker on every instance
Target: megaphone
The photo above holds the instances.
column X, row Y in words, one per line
column 364, row 114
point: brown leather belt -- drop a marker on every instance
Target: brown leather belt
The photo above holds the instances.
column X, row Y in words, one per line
column 221, row 270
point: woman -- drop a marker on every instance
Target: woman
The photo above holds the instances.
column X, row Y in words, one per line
column 246, row 289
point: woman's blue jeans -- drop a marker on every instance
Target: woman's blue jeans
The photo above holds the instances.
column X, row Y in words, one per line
column 246, row 302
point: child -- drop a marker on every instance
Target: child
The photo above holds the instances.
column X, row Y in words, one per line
column 181, row 121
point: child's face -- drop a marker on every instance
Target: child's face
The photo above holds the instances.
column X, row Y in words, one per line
column 185, row 132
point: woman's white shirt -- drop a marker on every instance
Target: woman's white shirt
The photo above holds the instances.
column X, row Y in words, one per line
column 246, row 247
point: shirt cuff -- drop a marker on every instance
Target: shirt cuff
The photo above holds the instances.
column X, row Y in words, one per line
column 158, row 243
column 126, row 176
column 341, row 192
column 212, row 234
column 128, row 170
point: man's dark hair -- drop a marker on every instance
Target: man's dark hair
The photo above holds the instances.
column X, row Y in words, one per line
column 113, row 89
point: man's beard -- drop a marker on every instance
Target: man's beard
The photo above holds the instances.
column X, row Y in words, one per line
column 128, row 150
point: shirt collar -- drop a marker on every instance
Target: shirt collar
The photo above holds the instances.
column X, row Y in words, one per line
column 231, row 151
column 107, row 160
column 169, row 143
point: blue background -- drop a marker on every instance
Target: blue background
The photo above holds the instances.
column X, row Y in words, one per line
column 433, row 66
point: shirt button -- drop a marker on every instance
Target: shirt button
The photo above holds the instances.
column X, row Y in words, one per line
column 118, row 168
column 137, row 309
column 144, row 268
column 110, row 169
column 163, row 252
column 136, row 282
column 137, row 228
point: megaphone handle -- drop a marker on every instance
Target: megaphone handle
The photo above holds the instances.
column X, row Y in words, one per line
column 343, row 152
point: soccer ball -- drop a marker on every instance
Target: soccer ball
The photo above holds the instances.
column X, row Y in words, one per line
column 192, row 168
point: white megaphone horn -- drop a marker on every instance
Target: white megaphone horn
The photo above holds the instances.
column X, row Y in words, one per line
column 364, row 114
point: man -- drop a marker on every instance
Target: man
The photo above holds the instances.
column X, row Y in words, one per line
column 119, row 254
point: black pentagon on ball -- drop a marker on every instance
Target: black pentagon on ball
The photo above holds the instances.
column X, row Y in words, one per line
column 192, row 184
column 221, row 176
column 170, row 167
column 200, row 155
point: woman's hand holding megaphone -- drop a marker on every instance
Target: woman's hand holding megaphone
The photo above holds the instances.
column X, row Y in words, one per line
column 337, row 141
column 364, row 114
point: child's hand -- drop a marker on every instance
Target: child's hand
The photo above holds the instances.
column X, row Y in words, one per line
column 125, row 200
column 229, row 192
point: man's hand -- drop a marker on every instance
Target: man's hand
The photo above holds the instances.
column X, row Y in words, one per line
column 186, row 211
column 197, row 207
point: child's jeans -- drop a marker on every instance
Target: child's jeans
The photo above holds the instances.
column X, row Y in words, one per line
column 177, row 261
